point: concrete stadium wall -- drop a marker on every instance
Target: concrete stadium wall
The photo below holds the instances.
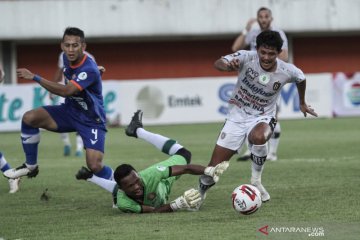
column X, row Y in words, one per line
column 34, row 19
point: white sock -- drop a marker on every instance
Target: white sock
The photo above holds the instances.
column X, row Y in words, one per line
column 31, row 166
column 274, row 140
column 257, row 165
column 106, row 184
column 157, row 140
column 65, row 138
column 79, row 143
column 256, row 171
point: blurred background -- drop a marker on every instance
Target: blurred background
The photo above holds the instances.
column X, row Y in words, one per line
column 159, row 54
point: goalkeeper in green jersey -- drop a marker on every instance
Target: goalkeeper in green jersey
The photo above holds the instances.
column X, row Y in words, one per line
column 148, row 191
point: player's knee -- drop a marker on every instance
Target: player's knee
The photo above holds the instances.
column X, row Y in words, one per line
column 258, row 139
column 94, row 167
column 185, row 153
column 29, row 118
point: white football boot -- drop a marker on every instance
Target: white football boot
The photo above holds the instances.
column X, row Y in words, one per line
column 265, row 196
column 14, row 185
column 21, row 171
column 271, row 157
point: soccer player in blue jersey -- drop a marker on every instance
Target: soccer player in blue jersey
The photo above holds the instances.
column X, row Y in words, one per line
column 82, row 112
column 148, row 191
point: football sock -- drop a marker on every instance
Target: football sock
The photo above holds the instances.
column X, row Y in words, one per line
column 106, row 172
column 258, row 157
column 274, row 140
column 4, row 165
column 30, row 138
column 65, row 138
column 164, row 144
column 205, row 182
column 79, row 143
column 106, row 184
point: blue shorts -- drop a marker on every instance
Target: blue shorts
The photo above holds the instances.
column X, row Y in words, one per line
column 93, row 135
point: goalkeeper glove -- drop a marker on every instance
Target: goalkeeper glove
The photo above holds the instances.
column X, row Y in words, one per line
column 189, row 199
column 217, row 171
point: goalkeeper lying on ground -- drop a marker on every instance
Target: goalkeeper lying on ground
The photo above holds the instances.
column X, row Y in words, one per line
column 148, row 190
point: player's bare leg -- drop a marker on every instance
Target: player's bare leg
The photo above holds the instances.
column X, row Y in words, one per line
column 258, row 138
column 30, row 136
column 219, row 155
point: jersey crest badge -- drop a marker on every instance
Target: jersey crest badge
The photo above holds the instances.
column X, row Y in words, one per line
column 276, row 85
column 264, row 79
column 82, row 76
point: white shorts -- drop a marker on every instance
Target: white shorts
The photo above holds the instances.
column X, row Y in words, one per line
column 234, row 134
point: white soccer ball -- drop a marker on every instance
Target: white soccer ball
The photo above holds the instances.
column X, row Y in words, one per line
column 246, row 199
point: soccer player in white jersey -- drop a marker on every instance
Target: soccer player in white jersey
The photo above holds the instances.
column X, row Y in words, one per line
column 252, row 105
column 247, row 39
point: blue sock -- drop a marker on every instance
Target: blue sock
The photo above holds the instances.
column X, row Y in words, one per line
column 3, row 164
column 30, row 138
column 106, row 172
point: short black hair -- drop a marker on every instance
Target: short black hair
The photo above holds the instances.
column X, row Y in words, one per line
column 122, row 171
column 74, row 31
column 269, row 38
column 264, row 9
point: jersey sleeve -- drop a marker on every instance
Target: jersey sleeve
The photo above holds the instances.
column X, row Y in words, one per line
column 155, row 173
column 297, row 75
column 85, row 79
column 243, row 56
column 126, row 204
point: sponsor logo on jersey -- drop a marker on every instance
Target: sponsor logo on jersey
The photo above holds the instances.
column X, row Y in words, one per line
column 251, row 74
column 264, row 79
column 276, row 85
column 161, row 168
column 82, row 76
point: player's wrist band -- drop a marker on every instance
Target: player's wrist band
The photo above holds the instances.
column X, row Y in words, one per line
column 36, row 78
column 244, row 32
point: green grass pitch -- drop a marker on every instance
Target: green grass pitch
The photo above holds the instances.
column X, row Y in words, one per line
column 314, row 185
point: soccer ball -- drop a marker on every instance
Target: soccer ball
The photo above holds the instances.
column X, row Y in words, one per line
column 246, row 199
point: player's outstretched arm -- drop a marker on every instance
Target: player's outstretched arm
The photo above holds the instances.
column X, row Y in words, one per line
column 187, row 201
column 53, row 87
column 304, row 108
column 194, row 169
column 224, row 65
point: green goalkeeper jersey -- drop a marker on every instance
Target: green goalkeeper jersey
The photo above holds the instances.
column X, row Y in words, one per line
column 157, row 184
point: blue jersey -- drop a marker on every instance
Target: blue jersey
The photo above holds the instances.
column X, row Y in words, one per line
column 87, row 106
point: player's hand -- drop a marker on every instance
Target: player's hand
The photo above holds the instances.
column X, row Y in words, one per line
column 24, row 73
column 304, row 108
column 233, row 65
column 217, row 171
column 101, row 69
column 189, row 199
column 250, row 23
